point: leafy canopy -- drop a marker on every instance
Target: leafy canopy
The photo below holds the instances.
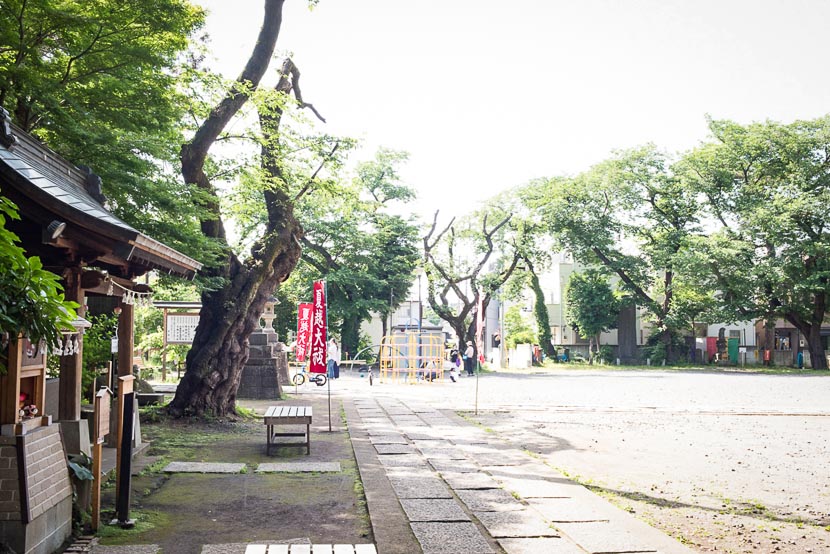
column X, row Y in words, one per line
column 31, row 301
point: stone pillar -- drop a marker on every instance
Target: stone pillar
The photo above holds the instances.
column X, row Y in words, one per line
column 266, row 370
column 627, row 335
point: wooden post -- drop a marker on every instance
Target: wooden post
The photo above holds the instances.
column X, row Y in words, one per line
column 71, row 366
column 126, row 415
column 125, row 340
column 125, row 386
column 164, row 347
column 10, row 383
column 103, row 400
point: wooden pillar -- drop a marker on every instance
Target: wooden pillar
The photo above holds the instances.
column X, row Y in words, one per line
column 125, row 340
column 71, row 367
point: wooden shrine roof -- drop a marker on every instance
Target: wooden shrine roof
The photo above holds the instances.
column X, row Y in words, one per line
column 47, row 188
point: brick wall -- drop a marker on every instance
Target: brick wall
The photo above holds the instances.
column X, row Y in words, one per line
column 48, row 475
column 9, row 484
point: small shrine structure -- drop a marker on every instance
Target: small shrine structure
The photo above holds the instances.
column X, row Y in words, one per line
column 64, row 221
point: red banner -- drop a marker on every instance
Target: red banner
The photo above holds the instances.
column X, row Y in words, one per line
column 303, row 331
column 318, row 329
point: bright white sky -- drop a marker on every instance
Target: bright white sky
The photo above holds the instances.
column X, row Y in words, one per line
column 487, row 94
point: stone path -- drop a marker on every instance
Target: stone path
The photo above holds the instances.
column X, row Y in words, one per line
column 460, row 489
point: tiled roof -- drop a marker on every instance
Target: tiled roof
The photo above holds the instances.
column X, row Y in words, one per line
column 57, row 185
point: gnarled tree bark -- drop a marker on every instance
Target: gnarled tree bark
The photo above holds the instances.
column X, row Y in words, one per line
column 229, row 315
column 442, row 279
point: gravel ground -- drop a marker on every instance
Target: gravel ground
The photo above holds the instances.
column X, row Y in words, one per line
column 724, row 462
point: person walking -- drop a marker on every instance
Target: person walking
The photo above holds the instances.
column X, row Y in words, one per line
column 469, row 353
column 333, row 359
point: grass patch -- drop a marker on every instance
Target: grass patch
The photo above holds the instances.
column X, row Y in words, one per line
column 113, row 535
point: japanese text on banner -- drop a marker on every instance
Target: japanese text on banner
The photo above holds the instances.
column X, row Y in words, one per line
column 303, row 331
column 318, row 329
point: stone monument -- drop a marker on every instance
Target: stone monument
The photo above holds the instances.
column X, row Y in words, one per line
column 266, row 370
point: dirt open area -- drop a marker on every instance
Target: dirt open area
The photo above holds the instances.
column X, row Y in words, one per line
column 719, row 481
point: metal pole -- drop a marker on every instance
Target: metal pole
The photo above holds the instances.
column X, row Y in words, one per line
column 329, row 387
column 477, row 372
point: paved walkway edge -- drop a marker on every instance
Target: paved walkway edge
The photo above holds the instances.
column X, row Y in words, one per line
column 390, row 526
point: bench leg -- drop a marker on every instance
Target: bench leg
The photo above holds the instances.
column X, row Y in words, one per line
column 308, row 439
column 269, row 429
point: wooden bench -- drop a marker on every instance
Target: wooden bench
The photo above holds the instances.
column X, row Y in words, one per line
column 310, row 548
column 288, row 415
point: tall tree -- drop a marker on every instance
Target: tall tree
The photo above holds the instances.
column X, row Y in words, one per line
column 457, row 285
column 592, row 308
column 767, row 185
column 231, row 312
column 365, row 253
column 633, row 216
column 101, row 83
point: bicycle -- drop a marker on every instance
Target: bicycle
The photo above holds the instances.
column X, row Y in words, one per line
column 300, row 378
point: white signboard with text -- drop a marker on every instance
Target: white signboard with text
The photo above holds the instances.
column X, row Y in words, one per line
column 181, row 328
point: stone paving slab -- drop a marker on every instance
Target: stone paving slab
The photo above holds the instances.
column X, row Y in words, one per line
column 537, row 488
column 410, row 472
column 458, row 481
column 605, row 538
column 379, row 420
column 392, row 460
column 548, row 545
column 436, row 442
column 523, row 523
column 490, row 500
column 203, row 467
column 567, row 510
column 457, row 466
column 299, row 467
column 442, row 454
column 395, row 449
column 496, row 459
column 433, row 509
column 420, row 435
column 451, row 538
column 413, row 422
column 471, row 441
column 529, row 484
column 419, row 487
column 386, row 439
column 137, row 549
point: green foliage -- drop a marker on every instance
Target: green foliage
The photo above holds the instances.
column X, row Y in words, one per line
column 517, row 329
column 591, row 305
column 81, row 466
column 631, row 215
column 657, row 349
column 97, row 347
column 365, row 253
column 104, row 84
column 30, row 299
column 605, row 354
column 767, row 185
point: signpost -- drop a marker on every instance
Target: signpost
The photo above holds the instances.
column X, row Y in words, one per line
column 101, row 429
column 124, row 454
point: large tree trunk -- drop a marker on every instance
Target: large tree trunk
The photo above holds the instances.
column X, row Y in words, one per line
column 811, row 330
column 540, row 309
column 229, row 315
column 350, row 334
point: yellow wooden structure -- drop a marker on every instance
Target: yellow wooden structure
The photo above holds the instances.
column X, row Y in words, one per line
column 411, row 357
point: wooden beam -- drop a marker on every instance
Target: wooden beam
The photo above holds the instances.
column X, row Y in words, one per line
column 125, row 340
column 71, row 367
